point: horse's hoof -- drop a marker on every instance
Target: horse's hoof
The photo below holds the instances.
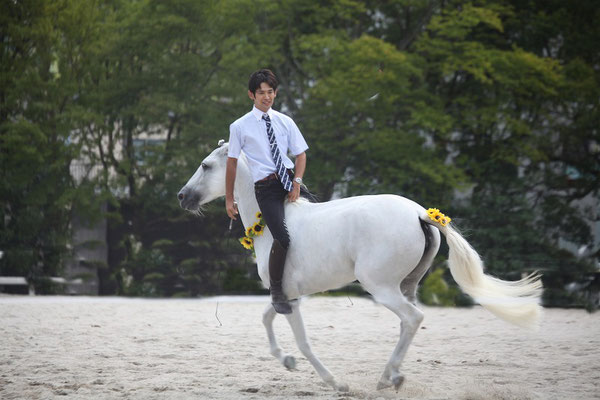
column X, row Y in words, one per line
column 289, row 362
column 398, row 381
column 343, row 387
column 384, row 384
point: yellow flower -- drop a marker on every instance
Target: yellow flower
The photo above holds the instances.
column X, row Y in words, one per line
column 249, row 232
column 445, row 220
column 247, row 242
column 259, row 215
column 438, row 216
column 432, row 212
column 257, row 229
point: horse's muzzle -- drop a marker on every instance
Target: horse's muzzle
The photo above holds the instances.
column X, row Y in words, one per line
column 188, row 199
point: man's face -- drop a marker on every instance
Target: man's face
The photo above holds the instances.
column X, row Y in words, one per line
column 264, row 97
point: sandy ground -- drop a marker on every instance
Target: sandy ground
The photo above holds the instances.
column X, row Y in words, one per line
column 111, row 348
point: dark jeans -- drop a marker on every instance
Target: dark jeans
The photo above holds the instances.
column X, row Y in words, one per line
column 270, row 196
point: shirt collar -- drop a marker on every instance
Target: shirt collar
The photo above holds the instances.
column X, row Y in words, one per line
column 259, row 114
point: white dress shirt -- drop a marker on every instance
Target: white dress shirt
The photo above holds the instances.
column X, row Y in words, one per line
column 249, row 134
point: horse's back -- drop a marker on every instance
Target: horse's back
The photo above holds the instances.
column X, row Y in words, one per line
column 363, row 212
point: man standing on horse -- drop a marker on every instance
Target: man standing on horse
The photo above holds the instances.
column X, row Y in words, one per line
column 265, row 136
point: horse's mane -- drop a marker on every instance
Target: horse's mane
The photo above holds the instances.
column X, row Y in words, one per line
column 301, row 201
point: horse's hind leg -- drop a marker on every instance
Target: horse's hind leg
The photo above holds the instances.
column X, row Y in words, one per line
column 295, row 321
column 410, row 319
column 432, row 245
column 268, row 316
column 411, row 282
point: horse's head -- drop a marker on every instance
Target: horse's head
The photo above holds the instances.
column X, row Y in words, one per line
column 208, row 182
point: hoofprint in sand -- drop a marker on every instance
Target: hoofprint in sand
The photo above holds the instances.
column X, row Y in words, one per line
column 110, row 348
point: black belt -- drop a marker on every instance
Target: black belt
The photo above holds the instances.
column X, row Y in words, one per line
column 269, row 177
column 274, row 176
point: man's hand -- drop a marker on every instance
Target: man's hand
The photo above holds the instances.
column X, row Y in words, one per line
column 295, row 193
column 300, row 166
column 231, row 208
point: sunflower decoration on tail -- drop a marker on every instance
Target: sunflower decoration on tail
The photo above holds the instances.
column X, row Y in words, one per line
column 439, row 217
column 252, row 231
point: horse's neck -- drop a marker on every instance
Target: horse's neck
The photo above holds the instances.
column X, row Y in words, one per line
column 243, row 194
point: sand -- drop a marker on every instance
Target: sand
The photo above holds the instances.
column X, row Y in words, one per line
column 112, row 348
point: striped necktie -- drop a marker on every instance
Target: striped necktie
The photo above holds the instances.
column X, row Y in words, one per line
column 280, row 167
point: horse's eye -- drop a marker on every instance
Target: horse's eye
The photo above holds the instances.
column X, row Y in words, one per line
column 204, row 166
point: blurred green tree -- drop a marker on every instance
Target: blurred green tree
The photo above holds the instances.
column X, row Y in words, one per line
column 512, row 133
column 153, row 105
column 43, row 62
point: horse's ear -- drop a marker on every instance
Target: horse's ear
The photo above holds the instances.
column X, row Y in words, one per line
column 223, row 148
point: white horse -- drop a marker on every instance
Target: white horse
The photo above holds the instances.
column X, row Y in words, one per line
column 386, row 242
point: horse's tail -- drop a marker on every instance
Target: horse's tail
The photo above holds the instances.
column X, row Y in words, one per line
column 515, row 302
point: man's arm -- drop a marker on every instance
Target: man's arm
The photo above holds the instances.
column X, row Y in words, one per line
column 300, row 167
column 229, row 185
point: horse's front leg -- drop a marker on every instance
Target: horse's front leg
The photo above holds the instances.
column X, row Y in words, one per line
column 268, row 316
column 295, row 321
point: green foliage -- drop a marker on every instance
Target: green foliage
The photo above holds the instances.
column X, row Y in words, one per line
column 506, row 97
column 37, row 111
column 367, row 102
column 239, row 281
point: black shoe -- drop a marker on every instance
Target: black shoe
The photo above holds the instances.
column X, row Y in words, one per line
column 279, row 301
column 282, row 308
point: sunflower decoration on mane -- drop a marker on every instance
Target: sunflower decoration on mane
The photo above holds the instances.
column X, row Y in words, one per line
column 439, row 217
column 247, row 242
column 256, row 229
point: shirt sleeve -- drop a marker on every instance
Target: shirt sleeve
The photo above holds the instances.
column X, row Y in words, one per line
column 235, row 141
column 297, row 143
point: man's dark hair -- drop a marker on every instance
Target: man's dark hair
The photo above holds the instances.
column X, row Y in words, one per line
column 260, row 76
